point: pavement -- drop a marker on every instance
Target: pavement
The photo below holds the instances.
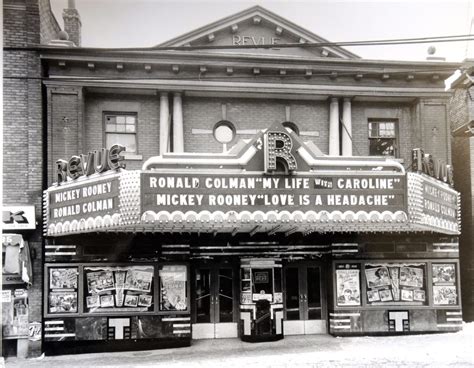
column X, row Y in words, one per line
column 311, row 351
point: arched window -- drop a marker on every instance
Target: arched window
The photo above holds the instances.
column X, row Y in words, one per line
column 224, row 132
column 291, row 127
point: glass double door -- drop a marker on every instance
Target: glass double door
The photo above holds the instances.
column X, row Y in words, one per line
column 304, row 299
column 215, row 302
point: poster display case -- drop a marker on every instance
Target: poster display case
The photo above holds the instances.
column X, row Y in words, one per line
column 444, row 284
column 15, row 310
column 62, row 290
column 115, row 289
column 396, row 283
column 118, row 289
column 173, row 288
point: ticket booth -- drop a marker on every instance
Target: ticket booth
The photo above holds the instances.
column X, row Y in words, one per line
column 261, row 300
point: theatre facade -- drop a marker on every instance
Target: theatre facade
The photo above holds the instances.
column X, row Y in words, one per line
column 197, row 191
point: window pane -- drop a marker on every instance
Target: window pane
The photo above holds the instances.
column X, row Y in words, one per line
column 130, row 128
column 110, row 128
column 126, row 140
column 120, row 128
column 111, row 119
column 130, row 119
column 382, row 147
column 120, row 119
column 373, row 131
column 224, row 134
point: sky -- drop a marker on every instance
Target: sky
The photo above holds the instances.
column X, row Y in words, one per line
column 144, row 23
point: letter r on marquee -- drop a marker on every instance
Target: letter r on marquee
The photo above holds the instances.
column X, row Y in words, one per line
column 278, row 145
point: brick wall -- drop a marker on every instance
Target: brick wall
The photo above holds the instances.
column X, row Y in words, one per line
column 22, row 131
column 147, row 109
column 247, row 114
column 72, row 25
column 49, row 26
column 463, row 161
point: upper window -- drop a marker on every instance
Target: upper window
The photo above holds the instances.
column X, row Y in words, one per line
column 224, row 132
column 383, row 138
column 291, row 127
column 121, row 129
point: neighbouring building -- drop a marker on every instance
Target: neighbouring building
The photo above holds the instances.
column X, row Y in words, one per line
column 26, row 23
column 461, row 115
column 268, row 191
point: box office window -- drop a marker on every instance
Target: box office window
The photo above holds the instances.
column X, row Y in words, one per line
column 62, row 290
column 444, row 284
column 118, row 289
column 383, row 137
column 121, row 129
column 396, row 283
column 173, row 288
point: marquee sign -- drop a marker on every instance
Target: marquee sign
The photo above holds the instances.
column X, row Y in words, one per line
column 83, row 200
column 275, row 182
column 201, row 192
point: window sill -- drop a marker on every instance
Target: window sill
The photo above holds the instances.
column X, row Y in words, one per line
column 132, row 157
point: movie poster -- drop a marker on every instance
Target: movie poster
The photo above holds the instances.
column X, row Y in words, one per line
column 173, row 288
column 119, row 288
column 377, row 277
column 411, row 276
column 63, row 302
column 348, row 287
column 100, row 281
column 63, row 278
column 444, row 273
column 138, row 280
column 445, row 295
column 395, row 283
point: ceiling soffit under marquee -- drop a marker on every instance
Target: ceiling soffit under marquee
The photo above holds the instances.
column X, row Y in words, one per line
column 256, row 26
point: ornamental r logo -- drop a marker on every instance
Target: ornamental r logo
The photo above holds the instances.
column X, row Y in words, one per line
column 278, row 147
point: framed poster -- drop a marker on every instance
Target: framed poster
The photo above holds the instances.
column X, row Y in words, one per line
column 378, row 276
column 411, row 276
column 173, row 288
column 348, row 287
column 63, row 278
column 396, row 283
column 373, row 296
column 62, row 290
column 385, row 295
column 444, row 273
column 445, row 295
column 407, row 295
column 118, row 288
column 62, row 302
column 419, row 295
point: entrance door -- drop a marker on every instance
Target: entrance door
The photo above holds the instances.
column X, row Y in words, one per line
column 215, row 302
column 304, row 300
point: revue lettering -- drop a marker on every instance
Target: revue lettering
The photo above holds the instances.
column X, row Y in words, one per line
column 94, row 162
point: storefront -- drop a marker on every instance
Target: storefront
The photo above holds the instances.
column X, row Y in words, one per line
column 17, row 330
column 268, row 240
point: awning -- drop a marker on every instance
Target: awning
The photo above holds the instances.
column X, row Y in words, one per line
column 18, row 265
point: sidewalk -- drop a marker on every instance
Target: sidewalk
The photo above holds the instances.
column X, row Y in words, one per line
column 437, row 350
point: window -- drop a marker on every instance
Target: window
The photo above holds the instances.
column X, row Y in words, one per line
column 382, row 138
column 224, row 132
column 291, row 127
column 121, row 129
